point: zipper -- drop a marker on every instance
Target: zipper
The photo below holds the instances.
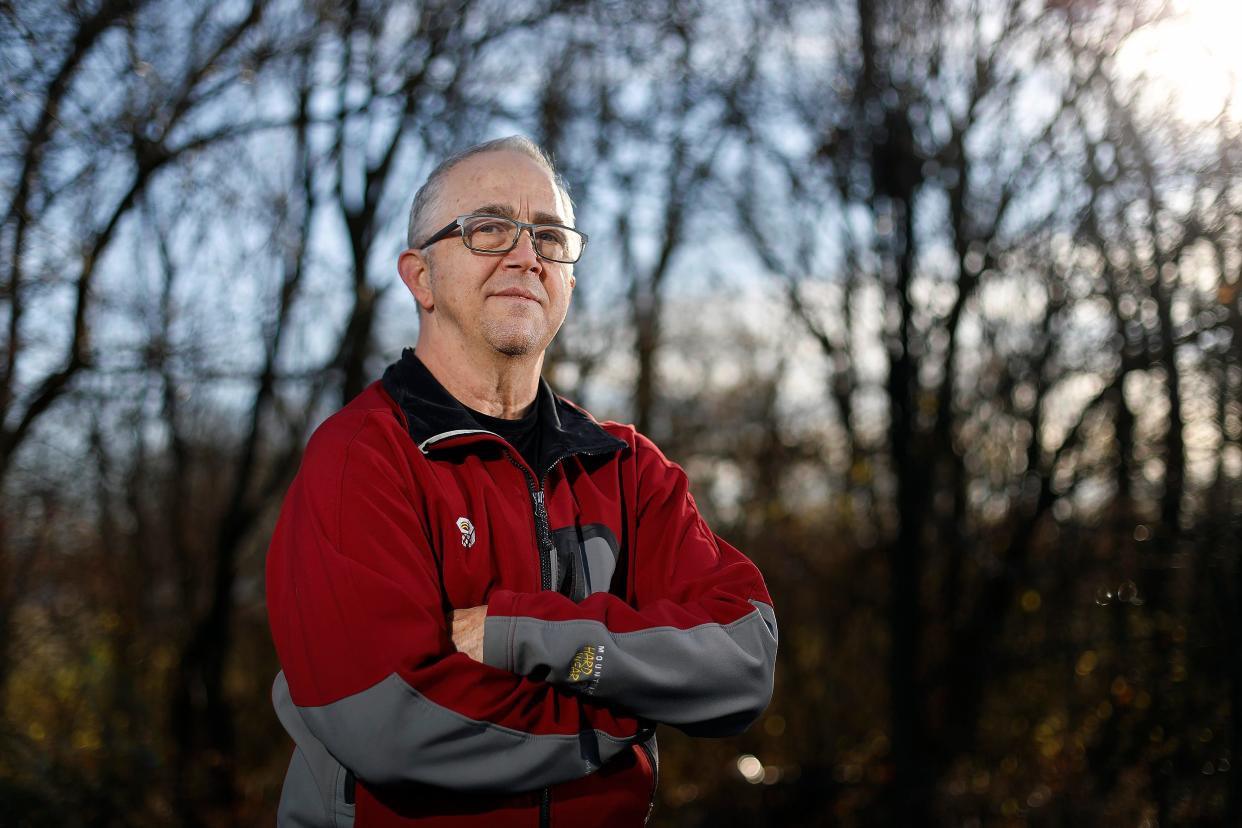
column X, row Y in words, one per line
column 543, row 535
column 545, row 808
column 654, row 761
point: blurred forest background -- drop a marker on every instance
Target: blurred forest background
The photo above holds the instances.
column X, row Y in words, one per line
column 937, row 303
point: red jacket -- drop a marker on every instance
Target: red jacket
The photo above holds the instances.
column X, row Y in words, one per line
column 610, row 607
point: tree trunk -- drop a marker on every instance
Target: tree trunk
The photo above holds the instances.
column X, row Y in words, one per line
column 906, row 555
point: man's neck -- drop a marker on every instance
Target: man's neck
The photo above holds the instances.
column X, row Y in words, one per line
column 494, row 384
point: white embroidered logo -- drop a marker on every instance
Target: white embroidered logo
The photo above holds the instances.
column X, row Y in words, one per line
column 467, row 531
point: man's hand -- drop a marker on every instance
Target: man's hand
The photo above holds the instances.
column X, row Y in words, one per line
column 468, row 631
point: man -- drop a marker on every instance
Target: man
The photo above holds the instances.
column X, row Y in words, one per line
column 484, row 600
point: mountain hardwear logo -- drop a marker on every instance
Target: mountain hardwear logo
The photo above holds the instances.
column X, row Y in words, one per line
column 587, row 666
column 467, row 531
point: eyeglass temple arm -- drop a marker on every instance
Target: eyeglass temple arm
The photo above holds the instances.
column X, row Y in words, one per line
column 443, row 233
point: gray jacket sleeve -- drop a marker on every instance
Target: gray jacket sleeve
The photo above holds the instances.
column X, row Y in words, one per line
column 710, row 679
column 391, row 733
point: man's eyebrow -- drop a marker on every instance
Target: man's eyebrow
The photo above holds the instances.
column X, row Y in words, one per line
column 548, row 218
column 496, row 210
column 508, row 212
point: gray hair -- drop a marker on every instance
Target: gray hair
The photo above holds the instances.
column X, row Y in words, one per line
column 428, row 194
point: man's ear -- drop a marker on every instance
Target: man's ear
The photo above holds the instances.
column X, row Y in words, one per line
column 415, row 271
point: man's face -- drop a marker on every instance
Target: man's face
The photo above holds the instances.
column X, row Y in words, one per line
column 512, row 303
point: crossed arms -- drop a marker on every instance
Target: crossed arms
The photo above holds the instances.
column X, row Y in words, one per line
column 532, row 689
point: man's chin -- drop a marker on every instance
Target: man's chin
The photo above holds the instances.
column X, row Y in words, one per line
column 515, row 350
column 515, row 343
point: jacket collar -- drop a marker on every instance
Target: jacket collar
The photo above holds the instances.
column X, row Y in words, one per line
column 434, row 416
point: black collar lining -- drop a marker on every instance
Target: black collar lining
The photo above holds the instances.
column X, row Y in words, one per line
column 433, row 415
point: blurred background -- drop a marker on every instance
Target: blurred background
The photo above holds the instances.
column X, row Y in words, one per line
column 936, row 302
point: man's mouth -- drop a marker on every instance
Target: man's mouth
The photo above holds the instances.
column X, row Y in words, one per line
column 517, row 293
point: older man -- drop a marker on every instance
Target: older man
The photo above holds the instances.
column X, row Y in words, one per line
column 482, row 598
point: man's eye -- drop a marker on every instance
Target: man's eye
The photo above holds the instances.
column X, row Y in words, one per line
column 489, row 227
column 551, row 235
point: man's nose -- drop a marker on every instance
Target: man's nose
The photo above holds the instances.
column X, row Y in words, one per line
column 523, row 253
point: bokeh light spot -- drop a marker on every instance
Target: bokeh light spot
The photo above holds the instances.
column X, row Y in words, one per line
column 750, row 768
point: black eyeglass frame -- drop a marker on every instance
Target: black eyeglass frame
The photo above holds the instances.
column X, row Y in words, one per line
column 459, row 225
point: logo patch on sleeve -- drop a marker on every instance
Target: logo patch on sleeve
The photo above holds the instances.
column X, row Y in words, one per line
column 587, row 666
column 467, row 531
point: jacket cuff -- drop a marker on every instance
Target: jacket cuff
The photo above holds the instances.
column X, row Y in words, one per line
column 498, row 631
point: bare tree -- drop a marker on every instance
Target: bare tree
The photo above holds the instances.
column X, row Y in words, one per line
column 905, row 134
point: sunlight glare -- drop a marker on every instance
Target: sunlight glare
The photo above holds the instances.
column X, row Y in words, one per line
column 1190, row 62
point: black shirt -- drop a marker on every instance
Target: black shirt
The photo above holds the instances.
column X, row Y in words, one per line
column 523, row 433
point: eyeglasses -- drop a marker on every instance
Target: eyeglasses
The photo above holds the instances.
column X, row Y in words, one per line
column 496, row 235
